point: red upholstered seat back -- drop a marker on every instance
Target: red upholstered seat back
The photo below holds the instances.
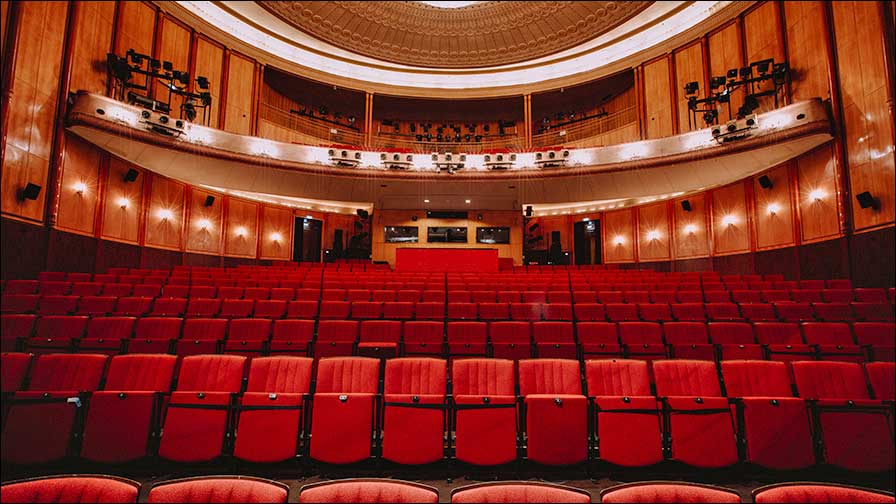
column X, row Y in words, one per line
column 348, row 375
column 381, row 330
column 368, row 491
column 667, row 492
column 65, row 372
column 13, row 367
column 482, row 377
column 467, row 332
column 158, row 327
column 71, row 489
column 519, row 492
column 280, row 375
column 250, row 329
column 421, row 376
column 219, row 489
column 617, row 378
column 204, row 329
column 685, row 332
column 141, row 372
column 830, row 380
column 807, row 492
column 882, row 376
column 211, row 373
column 640, row 332
column 337, row 330
column 753, row 378
column 686, row 378
column 549, row 376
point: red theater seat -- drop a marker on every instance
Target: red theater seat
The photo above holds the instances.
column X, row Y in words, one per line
column 642, row 340
column 689, row 311
column 873, row 311
column 13, row 368
column 882, row 379
column 554, row 340
column 783, row 341
column 833, row 341
column 155, row 334
column 667, row 491
column 462, row 310
column 879, row 336
column 621, row 312
column 57, row 305
column 291, row 337
column 202, row 307
column 689, row 340
column 599, row 340
column 556, row 411
column 430, row 310
column 56, row 333
column 492, row 311
column 335, row 338
column 201, row 336
column 219, row 489
column 518, row 491
column 242, row 308
column 107, row 335
column 74, row 488
column 379, row 338
column 398, row 310
column 334, row 310
column 624, row 410
column 794, row 311
column 806, row 492
column 758, row 312
column 414, row 415
column 248, row 336
column 15, row 327
column 868, row 295
column 364, row 490
column 485, row 411
column 833, row 312
column 468, row 339
column 423, row 337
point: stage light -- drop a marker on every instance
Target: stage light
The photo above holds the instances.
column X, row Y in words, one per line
column 762, row 66
column 203, row 224
column 426, row 201
column 80, row 187
column 773, row 208
column 190, row 112
column 710, row 116
column 732, row 74
column 750, row 104
column 690, row 229
column 729, row 220
column 165, row 214
column 691, row 88
column 31, row 192
column 241, row 231
column 123, row 203
column 467, row 201
column 818, row 194
column 276, row 237
column 653, row 235
column 618, row 240
column 202, row 82
column 717, row 82
column 779, row 72
column 746, row 72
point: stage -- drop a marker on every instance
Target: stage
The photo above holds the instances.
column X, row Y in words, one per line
column 445, row 260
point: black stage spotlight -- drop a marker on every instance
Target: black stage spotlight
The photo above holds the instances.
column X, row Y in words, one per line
column 710, row 116
column 723, row 97
column 182, row 77
column 765, row 182
column 167, row 66
column 746, row 72
column 31, row 191
column 131, row 175
column 691, row 88
column 189, row 111
column 202, row 82
column 529, row 211
column 419, row 138
column 686, row 205
column 732, row 74
column 209, row 201
column 779, row 71
column 750, row 104
column 533, row 227
column 154, row 64
column 865, row 199
column 717, row 82
column 119, row 67
column 762, row 66
column 692, row 103
column 362, row 213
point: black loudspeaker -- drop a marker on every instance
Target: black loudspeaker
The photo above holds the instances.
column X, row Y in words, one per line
column 479, row 217
column 765, row 182
column 414, row 218
column 363, row 213
column 131, row 175
column 31, row 191
column 337, row 242
column 865, row 199
column 686, row 205
column 529, row 211
column 209, row 200
column 533, row 227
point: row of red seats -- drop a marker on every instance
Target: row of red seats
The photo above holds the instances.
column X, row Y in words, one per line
column 859, row 342
column 232, row 489
column 566, row 411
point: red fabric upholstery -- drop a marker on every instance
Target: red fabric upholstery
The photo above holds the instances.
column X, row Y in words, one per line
column 523, row 491
column 423, row 337
column 554, row 340
column 96, row 305
column 688, row 311
column 366, row 309
column 336, row 310
column 621, row 312
column 599, row 339
column 64, row 372
column 241, row 308
column 817, row 492
column 247, row 336
column 367, row 490
column 526, row 311
column 13, row 368
column 413, row 434
column 556, row 418
column 881, row 336
column 617, row 378
column 485, row 435
column 215, row 489
column 830, row 380
column 667, row 492
column 429, row 310
column 71, row 489
column 882, row 376
column 335, row 337
column 291, row 336
column 642, row 340
column 467, row 338
column 14, row 327
column 169, row 307
column 398, row 310
column 56, row 333
column 655, row 312
column 57, row 305
column 301, row 309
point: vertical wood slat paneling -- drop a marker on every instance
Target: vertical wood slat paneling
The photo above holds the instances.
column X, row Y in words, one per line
column 817, row 182
column 31, row 113
column 81, row 165
column 122, row 223
column 689, row 68
column 209, row 63
column 773, row 211
column 241, row 231
column 690, row 231
column 762, row 41
column 618, row 225
column 203, row 226
column 657, row 102
column 654, row 232
column 161, row 230
column 725, row 53
column 238, row 101
column 806, row 33
column 730, row 237
column 93, row 26
column 174, row 47
column 276, row 221
column 136, row 30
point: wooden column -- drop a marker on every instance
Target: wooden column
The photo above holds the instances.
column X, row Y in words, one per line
column 57, row 148
column 527, row 117
column 368, row 119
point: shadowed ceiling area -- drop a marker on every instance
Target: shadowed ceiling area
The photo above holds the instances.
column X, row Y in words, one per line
column 477, row 35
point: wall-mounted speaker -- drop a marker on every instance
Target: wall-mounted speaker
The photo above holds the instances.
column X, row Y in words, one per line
column 686, row 205
column 865, row 199
column 529, row 211
column 131, row 175
column 31, row 192
column 363, row 214
column 765, row 182
column 414, row 218
column 209, row 201
column 479, row 217
column 533, row 227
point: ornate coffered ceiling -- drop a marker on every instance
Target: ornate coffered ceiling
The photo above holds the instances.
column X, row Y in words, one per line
column 481, row 34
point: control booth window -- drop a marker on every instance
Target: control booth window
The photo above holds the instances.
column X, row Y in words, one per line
column 401, row 234
column 493, row 235
column 447, row 235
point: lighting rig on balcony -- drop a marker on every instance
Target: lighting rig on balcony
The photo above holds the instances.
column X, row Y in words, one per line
column 397, row 160
column 448, row 161
column 551, row 158
column 345, row 156
column 499, row 161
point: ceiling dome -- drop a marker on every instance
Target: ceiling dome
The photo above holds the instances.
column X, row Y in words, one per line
column 479, row 34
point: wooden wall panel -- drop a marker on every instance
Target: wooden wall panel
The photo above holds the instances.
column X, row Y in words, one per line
column 817, row 179
column 210, row 63
column 867, row 118
column 91, row 41
column 619, row 226
column 688, row 68
column 338, row 221
column 238, row 102
column 386, row 251
column 773, row 214
column 724, row 54
column 762, row 37
column 276, row 221
column 174, row 46
column 556, row 223
column 121, row 222
column 657, row 98
column 80, row 165
column 4, row 19
column 165, row 215
column 731, row 231
column 806, row 33
column 653, row 233
column 241, row 228
column 691, row 238
column 136, row 30
column 32, row 106
column 203, row 230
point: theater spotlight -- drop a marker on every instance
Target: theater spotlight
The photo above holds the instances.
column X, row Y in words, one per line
column 119, row 67
column 189, row 111
column 202, row 82
column 717, row 82
column 167, row 66
column 746, row 72
column 710, row 116
column 732, row 74
column 762, row 66
column 692, row 103
column 182, row 77
column 691, row 88
column 779, row 72
column 750, row 104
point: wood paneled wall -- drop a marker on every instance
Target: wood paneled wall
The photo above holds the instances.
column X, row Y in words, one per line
column 658, row 98
column 94, row 25
column 238, row 102
column 136, row 30
column 688, row 63
column 818, row 195
column 654, row 233
column 618, row 230
column 773, row 209
column 726, row 52
column 209, row 63
column 763, row 39
column 174, row 45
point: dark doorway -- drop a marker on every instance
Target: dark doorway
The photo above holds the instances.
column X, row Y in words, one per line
column 586, row 238
column 307, row 240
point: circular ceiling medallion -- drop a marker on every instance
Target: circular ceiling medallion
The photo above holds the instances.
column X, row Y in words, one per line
column 454, row 34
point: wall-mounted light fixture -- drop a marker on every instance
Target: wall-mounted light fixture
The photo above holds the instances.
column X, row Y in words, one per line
column 773, row 208
column 79, row 187
column 276, row 237
column 619, row 240
column 690, row 229
column 241, row 231
column 729, row 220
column 165, row 214
column 817, row 194
column 203, row 224
column 653, row 235
column 123, row 202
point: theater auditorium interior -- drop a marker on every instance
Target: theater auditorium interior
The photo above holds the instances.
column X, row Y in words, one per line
column 460, row 251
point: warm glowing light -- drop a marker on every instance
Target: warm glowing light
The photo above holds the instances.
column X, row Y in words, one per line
column 80, row 187
column 203, row 223
column 653, row 235
column 818, row 194
column 165, row 214
column 467, row 201
column 586, row 219
column 426, row 201
column 123, row 202
column 690, row 229
column 773, row 208
column 618, row 240
column 276, row 237
column 241, row 231
column 729, row 220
